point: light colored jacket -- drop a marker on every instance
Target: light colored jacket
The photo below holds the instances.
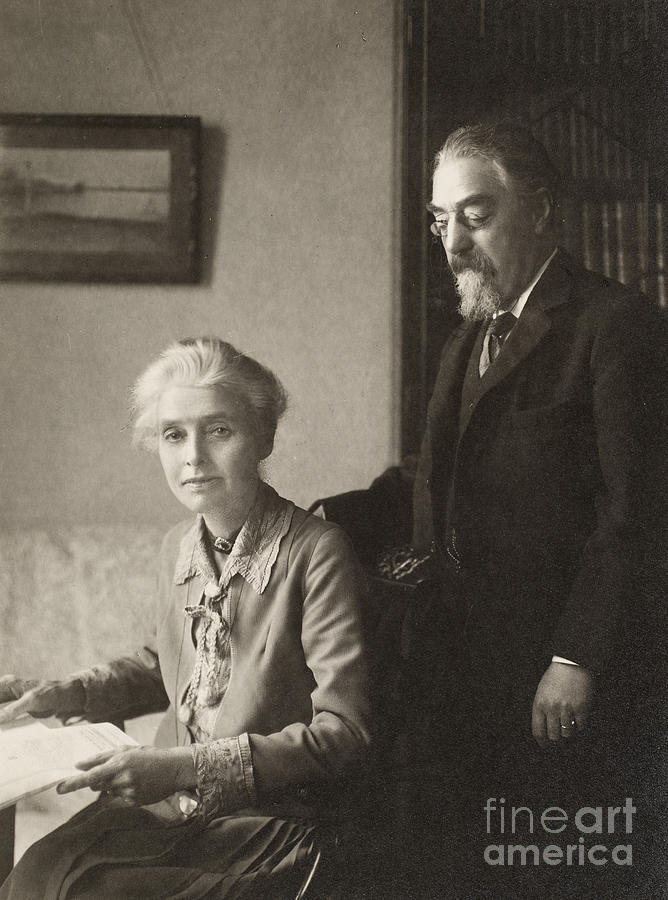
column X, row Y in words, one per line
column 298, row 683
column 295, row 710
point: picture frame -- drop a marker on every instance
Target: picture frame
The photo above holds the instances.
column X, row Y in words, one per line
column 95, row 198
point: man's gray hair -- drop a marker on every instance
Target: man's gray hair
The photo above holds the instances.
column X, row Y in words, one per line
column 521, row 161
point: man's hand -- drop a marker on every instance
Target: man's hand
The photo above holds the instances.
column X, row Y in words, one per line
column 138, row 775
column 562, row 703
column 39, row 698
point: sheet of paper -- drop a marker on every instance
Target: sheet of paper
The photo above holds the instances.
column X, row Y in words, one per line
column 33, row 757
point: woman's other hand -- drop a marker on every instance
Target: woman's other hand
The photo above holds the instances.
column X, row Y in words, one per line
column 138, row 775
column 39, row 698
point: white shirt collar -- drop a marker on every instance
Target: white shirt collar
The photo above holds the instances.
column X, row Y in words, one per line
column 518, row 306
column 255, row 549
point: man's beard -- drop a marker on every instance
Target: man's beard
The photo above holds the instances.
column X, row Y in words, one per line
column 478, row 298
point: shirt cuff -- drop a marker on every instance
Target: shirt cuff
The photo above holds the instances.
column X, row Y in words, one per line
column 561, row 659
column 225, row 780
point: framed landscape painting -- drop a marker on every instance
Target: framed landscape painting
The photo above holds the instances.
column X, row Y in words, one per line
column 99, row 198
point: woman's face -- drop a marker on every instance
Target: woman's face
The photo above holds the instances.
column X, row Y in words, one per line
column 208, row 450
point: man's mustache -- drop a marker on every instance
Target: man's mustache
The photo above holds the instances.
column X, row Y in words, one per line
column 474, row 262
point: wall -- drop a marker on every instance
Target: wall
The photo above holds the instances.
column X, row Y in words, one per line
column 298, row 99
column 299, row 102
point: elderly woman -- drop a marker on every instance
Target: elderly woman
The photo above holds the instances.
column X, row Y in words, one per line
column 257, row 657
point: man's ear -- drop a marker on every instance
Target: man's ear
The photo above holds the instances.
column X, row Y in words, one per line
column 542, row 210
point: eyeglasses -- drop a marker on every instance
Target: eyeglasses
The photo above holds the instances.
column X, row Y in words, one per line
column 439, row 228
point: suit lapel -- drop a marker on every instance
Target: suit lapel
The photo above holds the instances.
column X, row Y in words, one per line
column 440, row 441
column 527, row 334
column 445, row 403
column 443, row 418
column 553, row 289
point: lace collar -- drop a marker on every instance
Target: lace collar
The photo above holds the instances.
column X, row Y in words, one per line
column 255, row 549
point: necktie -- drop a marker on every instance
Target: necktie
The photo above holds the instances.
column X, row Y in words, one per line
column 498, row 331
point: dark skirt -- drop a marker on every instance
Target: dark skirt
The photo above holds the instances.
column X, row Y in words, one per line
column 106, row 852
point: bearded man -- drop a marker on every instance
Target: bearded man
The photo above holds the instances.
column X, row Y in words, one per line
column 531, row 488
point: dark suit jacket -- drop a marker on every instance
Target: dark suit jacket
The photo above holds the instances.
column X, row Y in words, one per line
column 543, row 475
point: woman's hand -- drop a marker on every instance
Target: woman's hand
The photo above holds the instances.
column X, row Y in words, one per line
column 138, row 775
column 39, row 698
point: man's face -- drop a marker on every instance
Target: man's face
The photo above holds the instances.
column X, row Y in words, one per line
column 492, row 239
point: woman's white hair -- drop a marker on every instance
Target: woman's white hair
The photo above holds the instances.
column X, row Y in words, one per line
column 203, row 362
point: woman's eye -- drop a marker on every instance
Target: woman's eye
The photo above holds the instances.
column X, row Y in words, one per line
column 220, row 431
column 171, row 436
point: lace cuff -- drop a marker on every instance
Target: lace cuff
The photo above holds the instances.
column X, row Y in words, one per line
column 225, row 779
